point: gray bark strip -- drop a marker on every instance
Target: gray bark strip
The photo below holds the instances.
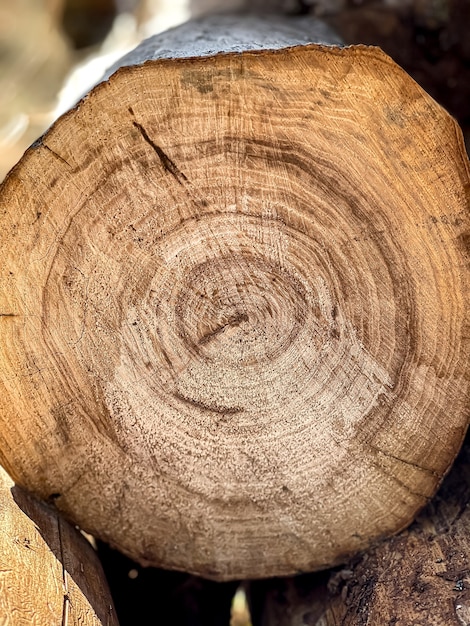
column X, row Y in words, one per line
column 217, row 34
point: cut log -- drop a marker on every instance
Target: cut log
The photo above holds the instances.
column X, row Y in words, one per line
column 234, row 328
column 49, row 573
column 420, row 577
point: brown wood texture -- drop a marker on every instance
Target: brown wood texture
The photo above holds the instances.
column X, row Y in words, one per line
column 233, row 308
column 49, row 573
column 420, row 577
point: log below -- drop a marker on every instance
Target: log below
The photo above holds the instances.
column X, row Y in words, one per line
column 49, row 573
column 420, row 577
column 233, row 304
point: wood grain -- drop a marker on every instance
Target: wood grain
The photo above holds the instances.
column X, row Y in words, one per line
column 235, row 329
column 49, row 574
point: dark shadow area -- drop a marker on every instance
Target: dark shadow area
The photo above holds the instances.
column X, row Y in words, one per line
column 88, row 22
column 147, row 595
column 277, row 600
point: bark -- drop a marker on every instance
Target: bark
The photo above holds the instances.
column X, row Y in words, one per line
column 217, row 34
column 49, row 573
column 233, row 304
column 421, row 576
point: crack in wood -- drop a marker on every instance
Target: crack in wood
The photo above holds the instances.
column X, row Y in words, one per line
column 66, row 602
column 168, row 165
column 57, row 156
column 389, row 455
column 426, row 498
column 232, row 323
column 214, row 408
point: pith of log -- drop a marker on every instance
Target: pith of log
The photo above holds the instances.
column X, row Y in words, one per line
column 421, row 576
column 233, row 297
column 49, row 573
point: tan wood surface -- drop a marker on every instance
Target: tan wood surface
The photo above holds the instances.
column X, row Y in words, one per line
column 49, row 573
column 234, row 316
column 420, row 577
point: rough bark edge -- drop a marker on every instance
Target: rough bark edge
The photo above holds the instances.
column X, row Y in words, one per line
column 216, row 34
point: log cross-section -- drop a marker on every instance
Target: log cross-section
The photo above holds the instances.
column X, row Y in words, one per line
column 235, row 335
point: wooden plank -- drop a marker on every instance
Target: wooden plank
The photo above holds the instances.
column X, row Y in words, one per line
column 49, row 573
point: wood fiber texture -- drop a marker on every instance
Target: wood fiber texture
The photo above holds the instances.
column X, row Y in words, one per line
column 49, row 573
column 233, row 309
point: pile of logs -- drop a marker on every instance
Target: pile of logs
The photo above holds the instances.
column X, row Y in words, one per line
column 234, row 332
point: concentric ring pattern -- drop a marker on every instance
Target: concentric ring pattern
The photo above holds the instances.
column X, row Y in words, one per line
column 237, row 332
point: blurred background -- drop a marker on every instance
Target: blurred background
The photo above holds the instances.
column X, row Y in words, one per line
column 53, row 51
